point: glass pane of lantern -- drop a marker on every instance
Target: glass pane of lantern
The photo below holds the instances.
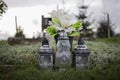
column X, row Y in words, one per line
column 45, row 59
column 78, row 59
column 85, row 60
column 81, row 60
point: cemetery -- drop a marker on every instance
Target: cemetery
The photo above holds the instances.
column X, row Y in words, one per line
column 67, row 50
column 50, row 59
column 22, row 62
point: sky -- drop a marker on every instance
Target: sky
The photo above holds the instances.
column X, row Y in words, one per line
column 113, row 8
column 29, row 13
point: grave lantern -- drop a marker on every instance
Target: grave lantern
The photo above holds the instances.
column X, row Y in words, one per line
column 45, row 55
column 81, row 54
column 63, row 54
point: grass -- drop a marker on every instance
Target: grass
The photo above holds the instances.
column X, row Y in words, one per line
column 108, row 72
column 20, row 62
column 3, row 42
column 19, row 54
column 113, row 40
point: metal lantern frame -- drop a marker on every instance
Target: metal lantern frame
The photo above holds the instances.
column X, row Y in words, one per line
column 81, row 54
column 45, row 57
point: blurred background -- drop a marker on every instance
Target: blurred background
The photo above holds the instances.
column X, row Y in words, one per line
column 28, row 14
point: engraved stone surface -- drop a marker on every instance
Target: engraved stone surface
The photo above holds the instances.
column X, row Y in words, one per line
column 63, row 54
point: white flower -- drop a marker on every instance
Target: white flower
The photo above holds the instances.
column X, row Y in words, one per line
column 65, row 19
column 70, row 29
column 61, row 20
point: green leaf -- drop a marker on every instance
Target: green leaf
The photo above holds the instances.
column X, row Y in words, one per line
column 74, row 33
column 56, row 21
column 55, row 35
column 77, row 25
column 51, row 30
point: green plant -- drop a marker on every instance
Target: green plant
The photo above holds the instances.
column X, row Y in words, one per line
column 53, row 31
column 76, row 26
column 63, row 21
column 3, row 42
column 19, row 33
column 104, row 60
column 105, row 29
column 19, row 54
column 3, row 7
column 30, row 72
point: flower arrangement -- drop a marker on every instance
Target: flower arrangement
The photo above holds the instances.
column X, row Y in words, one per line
column 61, row 20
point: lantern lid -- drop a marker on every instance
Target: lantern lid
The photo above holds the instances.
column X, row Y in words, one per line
column 63, row 35
column 82, row 50
column 45, row 49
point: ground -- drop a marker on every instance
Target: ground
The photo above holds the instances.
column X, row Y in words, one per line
column 20, row 62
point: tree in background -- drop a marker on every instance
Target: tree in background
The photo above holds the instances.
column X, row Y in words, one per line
column 19, row 30
column 19, row 33
column 105, row 28
column 82, row 16
column 3, row 7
